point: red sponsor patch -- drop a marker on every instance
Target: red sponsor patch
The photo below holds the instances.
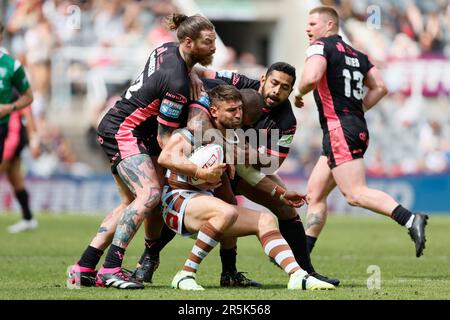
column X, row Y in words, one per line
column 290, row 130
column 172, row 221
column 176, row 97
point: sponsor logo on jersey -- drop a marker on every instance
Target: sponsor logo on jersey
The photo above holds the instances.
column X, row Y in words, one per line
column 176, row 97
column 2, row 72
column 225, row 74
column 204, row 100
column 171, row 109
column 286, row 141
column 290, row 130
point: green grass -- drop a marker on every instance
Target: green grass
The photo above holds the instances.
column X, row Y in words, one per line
column 33, row 265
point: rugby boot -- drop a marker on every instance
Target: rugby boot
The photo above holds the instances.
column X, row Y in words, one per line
column 417, row 232
column 237, row 279
column 118, row 278
column 144, row 272
column 81, row 276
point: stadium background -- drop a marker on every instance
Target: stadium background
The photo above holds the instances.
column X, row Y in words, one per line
column 80, row 55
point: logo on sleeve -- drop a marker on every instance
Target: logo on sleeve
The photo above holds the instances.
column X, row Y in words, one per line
column 204, row 100
column 286, row 141
column 176, row 97
column 225, row 74
column 171, row 109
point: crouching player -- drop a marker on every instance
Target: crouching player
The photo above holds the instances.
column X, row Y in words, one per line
column 190, row 211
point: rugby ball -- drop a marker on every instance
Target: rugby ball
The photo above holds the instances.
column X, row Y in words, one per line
column 205, row 157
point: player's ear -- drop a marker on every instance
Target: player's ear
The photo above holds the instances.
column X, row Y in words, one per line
column 262, row 79
column 330, row 25
column 188, row 42
column 213, row 110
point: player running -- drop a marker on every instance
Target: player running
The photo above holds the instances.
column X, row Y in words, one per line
column 189, row 211
column 337, row 73
column 131, row 134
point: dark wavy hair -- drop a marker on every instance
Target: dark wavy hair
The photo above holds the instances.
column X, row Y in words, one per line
column 188, row 26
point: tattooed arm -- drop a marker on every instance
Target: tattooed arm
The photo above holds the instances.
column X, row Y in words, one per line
column 164, row 134
column 199, row 121
column 173, row 157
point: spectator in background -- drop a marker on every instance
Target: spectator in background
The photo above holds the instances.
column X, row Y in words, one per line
column 19, row 136
column 39, row 44
column 248, row 65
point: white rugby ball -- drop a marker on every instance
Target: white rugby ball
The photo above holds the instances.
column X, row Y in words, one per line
column 205, row 157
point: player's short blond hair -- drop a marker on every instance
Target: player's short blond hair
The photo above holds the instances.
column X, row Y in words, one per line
column 329, row 11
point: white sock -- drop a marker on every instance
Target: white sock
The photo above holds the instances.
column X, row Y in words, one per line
column 410, row 221
column 300, row 272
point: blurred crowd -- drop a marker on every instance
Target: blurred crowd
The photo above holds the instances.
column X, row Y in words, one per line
column 410, row 133
column 410, row 129
column 37, row 29
column 409, row 28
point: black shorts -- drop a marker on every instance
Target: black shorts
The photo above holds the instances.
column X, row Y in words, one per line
column 3, row 134
column 117, row 151
column 343, row 144
column 234, row 184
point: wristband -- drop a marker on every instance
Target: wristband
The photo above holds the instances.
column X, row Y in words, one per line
column 13, row 108
column 297, row 93
column 278, row 192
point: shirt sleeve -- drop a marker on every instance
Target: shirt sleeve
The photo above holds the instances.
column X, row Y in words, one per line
column 173, row 104
column 203, row 103
column 238, row 80
column 19, row 79
column 317, row 48
column 369, row 64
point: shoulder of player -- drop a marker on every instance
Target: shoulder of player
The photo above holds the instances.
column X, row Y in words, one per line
column 283, row 116
column 10, row 61
column 287, row 115
column 237, row 79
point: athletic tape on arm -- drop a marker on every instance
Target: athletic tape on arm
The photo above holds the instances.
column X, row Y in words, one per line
column 249, row 174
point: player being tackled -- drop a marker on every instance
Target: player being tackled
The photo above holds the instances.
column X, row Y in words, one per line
column 193, row 211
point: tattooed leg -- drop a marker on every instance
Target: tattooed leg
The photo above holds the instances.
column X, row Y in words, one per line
column 320, row 184
column 138, row 173
column 105, row 233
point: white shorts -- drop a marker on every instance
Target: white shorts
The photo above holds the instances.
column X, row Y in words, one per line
column 174, row 202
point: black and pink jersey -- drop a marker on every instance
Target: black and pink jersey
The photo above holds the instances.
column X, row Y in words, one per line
column 281, row 117
column 159, row 95
column 339, row 94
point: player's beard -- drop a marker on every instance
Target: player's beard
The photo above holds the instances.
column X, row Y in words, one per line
column 275, row 100
column 203, row 60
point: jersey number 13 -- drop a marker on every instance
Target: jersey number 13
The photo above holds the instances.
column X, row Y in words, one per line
column 358, row 77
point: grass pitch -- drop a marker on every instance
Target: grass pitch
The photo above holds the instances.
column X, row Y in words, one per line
column 33, row 265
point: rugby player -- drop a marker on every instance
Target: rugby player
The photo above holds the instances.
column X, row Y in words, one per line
column 338, row 73
column 192, row 212
column 16, row 135
column 275, row 87
column 12, row 77
column 132, row 134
